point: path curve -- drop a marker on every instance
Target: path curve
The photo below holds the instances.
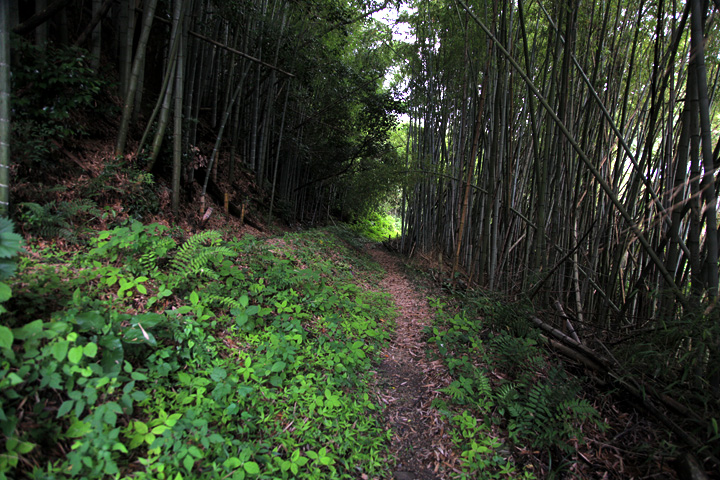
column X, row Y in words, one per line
column 408, row 382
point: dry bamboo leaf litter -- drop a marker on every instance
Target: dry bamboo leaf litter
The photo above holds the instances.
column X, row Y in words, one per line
column 408, row 382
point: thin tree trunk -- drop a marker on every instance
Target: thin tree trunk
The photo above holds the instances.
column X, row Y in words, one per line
column 41, row 31
column 218, row 141
column 708, row 179
column 162, row 105
column 277, row 153
column 40, row 17
column 4, row 108
column 179, row 95
column 96, row 43
column 95, row 28
column 162, row 123
column 148, row 16
column 471, row 168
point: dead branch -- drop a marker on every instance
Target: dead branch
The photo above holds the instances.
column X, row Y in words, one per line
column 645, row 394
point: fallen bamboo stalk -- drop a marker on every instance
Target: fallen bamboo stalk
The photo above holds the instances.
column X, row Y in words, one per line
column 638, row 389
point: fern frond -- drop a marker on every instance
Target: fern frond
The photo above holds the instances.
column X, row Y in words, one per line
column 189, row 249
column 194, row 256
column 226, row 302
column 150, row 259
column 79, row 206
column 482, row 384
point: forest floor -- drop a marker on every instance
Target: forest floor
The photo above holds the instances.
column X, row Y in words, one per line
column 411, row 375
column 408, row 382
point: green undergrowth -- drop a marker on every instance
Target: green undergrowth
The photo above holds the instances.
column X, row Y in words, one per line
column 377, row 226
column 155, row 355
column 505, row 397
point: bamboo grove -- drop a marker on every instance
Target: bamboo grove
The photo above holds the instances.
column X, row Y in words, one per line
column 289, row 91
column 566, row 152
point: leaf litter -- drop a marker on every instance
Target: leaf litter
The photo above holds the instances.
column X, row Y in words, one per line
column 408, row 382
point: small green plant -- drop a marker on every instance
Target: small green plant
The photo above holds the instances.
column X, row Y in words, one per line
column 193, row 257
column 537, row 405
column 547, row 413
column 124, row 182
column 58, row 219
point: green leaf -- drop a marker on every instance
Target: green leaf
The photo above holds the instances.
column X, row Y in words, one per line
column 119, row 447
column 10, row 242
column 140, row 427
column 90, row 350
column 251, row 468
column 241, row 319
column 90, row 321
column 218, row 374
column 194, row 298
column 113, row 354
column 65, row 407
column 173, row 419
column 75, row 354
column 60, row 349
column 184, row 378
column 137, row 334
column 30, row 330
column 11, row 443
column 139, row 396
column 6, row 337
column 148, row 320
column 78, row 429
column 7, row 268
column 141, row 289
column 188, row 462
column 5, row 292
column 232, row 463
column 24, row 447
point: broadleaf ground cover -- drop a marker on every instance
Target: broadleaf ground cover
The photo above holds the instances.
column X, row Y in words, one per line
column 158, row 355
column 512, row 413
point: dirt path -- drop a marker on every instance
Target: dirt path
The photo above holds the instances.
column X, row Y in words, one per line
column 408, row 382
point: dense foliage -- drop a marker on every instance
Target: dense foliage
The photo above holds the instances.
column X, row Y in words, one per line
column 378, row 226
column 535, row 403
column 165, row 356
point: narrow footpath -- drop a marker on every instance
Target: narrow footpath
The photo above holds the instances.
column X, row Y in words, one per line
column 408, row 382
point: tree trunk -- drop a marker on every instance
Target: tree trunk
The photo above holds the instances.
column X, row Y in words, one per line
column 41, row 31
column 96, row 44
column 148, row 16
column 179, row 96
column 4, row 108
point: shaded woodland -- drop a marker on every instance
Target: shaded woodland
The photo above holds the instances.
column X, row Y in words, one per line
column 560, row 154
column 566, row 153
column 290, row 91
